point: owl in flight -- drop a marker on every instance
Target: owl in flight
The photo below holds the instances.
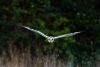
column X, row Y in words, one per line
column 51, row 39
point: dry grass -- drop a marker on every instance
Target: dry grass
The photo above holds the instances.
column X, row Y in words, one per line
column 15, row 58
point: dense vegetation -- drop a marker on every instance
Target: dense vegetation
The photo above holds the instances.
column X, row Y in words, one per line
column 53, row 17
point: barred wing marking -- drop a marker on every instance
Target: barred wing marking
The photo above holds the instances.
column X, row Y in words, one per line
column 66, row 35
column 36, row 31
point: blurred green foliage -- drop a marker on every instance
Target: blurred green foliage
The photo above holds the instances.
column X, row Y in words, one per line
column 53, row 17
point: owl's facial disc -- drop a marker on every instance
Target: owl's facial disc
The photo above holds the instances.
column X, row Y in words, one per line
column 50, row 39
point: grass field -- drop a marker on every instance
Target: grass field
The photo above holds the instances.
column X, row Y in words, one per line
column 14, row 58
column 23, row 58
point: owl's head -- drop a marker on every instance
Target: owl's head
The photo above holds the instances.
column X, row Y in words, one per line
column 50, row 39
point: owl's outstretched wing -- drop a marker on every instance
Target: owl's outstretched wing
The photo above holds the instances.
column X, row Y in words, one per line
column 36, row 31
column 66, row 35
